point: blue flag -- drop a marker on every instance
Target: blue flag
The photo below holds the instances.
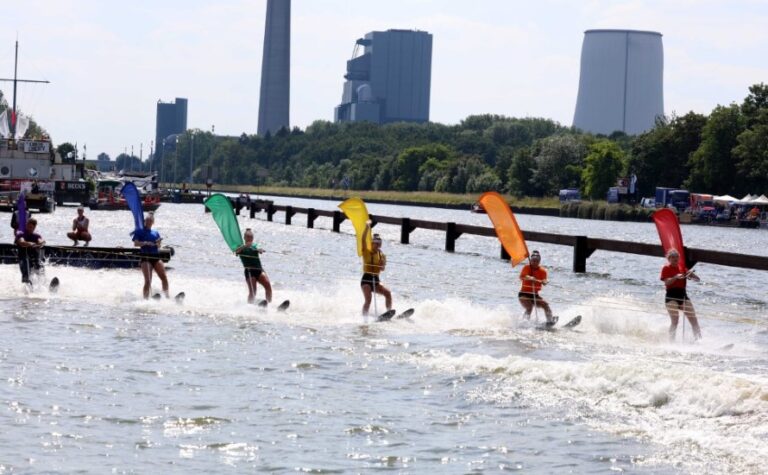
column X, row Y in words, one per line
column 133, row 199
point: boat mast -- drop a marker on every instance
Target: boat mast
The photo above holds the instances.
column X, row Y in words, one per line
column 16, row 80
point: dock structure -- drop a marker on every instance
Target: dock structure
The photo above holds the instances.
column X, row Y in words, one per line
column 89, row 257
column 583, row 246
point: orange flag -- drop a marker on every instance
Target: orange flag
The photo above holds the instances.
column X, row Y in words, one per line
column 506, row 226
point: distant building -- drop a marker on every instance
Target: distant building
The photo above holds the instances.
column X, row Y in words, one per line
column 171, row 119
column 621, row 86
column 390, row 81
column 274, row 98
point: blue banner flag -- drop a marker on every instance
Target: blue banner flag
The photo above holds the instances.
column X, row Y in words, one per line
column 133, row 199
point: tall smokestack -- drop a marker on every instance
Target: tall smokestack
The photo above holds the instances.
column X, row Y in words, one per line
column 621, row 86
column 274, row 99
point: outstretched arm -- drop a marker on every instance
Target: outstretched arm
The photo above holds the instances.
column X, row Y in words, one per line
column 366, row 233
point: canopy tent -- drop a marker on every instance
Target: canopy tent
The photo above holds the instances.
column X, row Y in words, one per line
column 748, row 198
column 761, row 200
column 724, row 199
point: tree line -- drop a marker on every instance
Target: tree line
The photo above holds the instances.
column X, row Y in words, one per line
column 723, row 152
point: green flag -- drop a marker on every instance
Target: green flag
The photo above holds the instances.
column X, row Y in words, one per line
column 224, row 215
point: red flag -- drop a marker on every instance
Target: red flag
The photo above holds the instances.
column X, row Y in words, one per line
column 669, row 232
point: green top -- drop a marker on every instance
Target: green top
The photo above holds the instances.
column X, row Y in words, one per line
column 250, row 257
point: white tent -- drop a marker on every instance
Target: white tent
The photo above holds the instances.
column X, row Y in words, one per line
column 724, row 199
column 761, row 200
column 748, row 198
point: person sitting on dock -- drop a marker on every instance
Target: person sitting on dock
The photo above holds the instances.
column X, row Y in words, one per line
column 29, row 244
column 80, row 228
column 149, row 241
column 374, row 262
column 676, row 298
column 533, row 277
column 254, row 273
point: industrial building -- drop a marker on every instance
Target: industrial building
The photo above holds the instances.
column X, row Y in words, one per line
column 171, row 119
column 274, row 98
column 621, row 85
column 389, row 81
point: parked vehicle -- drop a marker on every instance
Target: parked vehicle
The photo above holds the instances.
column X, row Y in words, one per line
column 570, row 194
column 672, row 198
column 648, row 203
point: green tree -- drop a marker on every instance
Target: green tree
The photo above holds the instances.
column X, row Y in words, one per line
column 559, row 161
column 712, row 164
column 603, row 165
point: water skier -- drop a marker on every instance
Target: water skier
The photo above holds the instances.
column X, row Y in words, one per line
column 374, row 262
column 29, row 244
column 533, row 277
column 80, row 228
column 254, row 273
column 149, row 241
column 676, row 299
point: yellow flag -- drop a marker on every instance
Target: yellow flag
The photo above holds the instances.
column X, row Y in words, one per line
column 506, row 226
column 357, row 213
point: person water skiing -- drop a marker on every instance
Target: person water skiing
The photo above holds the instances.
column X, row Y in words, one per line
column 29, row 244
column 80, row 228
column 254, row 273
column 149, row 241
column 533, row 277
column 676, row 298
column 374, row 262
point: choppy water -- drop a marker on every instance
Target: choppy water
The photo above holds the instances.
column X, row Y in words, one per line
column 95, row 379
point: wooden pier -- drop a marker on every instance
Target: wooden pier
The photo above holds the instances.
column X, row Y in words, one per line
column 583, row 246
column 90, row 257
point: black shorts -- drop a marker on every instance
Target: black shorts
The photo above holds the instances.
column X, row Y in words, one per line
column 151, row 258
column 679, row 296
column 528, row 295
column 369, row 279
column 252, row 273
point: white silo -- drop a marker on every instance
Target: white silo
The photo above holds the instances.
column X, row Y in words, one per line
column 621, row 86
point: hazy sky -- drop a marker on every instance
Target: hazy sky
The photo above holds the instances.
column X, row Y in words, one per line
column 109, row 62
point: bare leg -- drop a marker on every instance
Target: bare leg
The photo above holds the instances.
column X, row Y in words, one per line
column 367, row 294
column 540, row 302
column 690, row 313
column 672, row 308
column 160, row 270
column 251, row 282
column 527, row 305
column 264, row 280
column 146, row 271
column 380, row 289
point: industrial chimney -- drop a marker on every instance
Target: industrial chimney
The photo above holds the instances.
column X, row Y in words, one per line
column 274, row 98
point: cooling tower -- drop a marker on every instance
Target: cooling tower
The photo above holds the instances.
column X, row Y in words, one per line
column 621, row 86
column 274, row 98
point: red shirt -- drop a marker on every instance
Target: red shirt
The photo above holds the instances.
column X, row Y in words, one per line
column 530, row 286
column 670, row 271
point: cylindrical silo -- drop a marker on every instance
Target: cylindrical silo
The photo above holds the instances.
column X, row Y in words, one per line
column 275, row 94
column 621, row 86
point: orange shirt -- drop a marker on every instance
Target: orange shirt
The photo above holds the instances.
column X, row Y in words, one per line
column 670, row 271
column 530, row 286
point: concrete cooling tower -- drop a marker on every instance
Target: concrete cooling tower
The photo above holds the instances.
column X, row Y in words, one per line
column 621, row 87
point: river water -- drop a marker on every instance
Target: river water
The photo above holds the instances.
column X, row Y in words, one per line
column 95, row 379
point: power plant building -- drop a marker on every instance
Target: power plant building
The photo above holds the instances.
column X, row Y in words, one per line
column 171, row 119
column 390, row 81
column 274, row 98
column 621, row 86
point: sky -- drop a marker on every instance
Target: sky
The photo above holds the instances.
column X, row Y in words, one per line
column 109, row 62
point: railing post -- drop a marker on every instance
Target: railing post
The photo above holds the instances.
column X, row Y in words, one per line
column 504, row 254
column 451, row 235
column 580, row 254
column 311, row 217
column 405, row 231
column 270, row 211
column 252, row 210
column 289, row 212
column 338, row 218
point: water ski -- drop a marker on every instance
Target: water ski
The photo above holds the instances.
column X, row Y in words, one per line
column 573, row 322
column 53, row 287
column 157, row 296
column 727, row 347
column 284, row 306
column 386, row 316
column 406, row 314
column 262, row 303
column 180, row 297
